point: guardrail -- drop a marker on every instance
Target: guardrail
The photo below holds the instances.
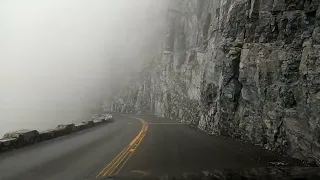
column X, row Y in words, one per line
column 25, row 137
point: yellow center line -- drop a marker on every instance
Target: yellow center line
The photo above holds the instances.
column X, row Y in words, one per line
column 113, row 161
column 122, row 159
column 114, row 167
column 118, row 162
column 125, row 154
column 132, row 153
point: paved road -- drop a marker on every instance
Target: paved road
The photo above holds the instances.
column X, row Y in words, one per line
column 133, row 147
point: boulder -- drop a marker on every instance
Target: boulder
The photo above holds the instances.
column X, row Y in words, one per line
column 103, row 120
column 97, row 121
column 106, row 118
column 47, row 134
column 89, row 124
column 24, row 137
column 64, row 129
column 109, row 118
column 79, row 127
column 8, row 144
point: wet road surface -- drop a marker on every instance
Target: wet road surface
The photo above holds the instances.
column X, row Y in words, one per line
column 132, row 146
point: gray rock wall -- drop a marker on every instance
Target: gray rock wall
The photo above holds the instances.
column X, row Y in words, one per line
column 248, row 69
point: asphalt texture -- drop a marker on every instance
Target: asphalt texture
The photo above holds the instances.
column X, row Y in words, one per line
column 167, row 147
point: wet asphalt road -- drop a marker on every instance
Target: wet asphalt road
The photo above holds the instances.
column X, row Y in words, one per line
column 161, row 147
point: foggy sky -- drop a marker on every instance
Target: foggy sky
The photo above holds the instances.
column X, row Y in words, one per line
column 60, row 57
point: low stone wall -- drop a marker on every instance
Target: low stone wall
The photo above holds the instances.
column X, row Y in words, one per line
column 25, row 137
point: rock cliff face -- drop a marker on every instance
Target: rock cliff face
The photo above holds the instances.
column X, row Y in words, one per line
column 248, row 69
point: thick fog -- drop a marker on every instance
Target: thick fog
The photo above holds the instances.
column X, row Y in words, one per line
column 60, row 58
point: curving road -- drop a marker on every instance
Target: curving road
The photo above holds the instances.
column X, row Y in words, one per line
column 129, row 147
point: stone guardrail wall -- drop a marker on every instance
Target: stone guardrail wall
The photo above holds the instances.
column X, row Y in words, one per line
column 25, row 137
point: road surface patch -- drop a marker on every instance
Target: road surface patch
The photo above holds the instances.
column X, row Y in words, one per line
column 143, row 173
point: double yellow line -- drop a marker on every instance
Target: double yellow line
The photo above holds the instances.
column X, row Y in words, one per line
column 120, row 160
